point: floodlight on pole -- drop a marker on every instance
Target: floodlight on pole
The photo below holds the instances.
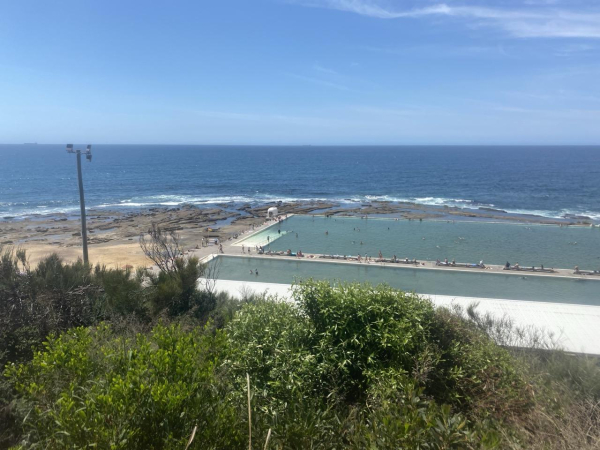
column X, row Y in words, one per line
column 88, row 156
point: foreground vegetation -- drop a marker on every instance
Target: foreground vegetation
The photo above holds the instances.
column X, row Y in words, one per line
column 133, row 360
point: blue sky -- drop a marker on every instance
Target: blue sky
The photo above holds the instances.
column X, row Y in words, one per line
column 300, row 71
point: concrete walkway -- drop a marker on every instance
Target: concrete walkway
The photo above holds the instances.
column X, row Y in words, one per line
column 230, row 246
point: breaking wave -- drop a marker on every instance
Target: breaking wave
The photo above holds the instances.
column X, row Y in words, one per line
column 22, row 210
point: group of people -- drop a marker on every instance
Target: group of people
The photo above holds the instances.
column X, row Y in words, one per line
column 509, row 266
column 586, row 272
column 244, row 248
column 453, row 263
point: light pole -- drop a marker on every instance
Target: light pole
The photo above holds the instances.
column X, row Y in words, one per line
column 88, row 156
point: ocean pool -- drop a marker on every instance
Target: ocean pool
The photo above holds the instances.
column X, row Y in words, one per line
column 470, row 242
column 423, row 281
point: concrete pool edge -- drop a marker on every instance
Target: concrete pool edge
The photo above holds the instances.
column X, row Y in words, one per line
column 575, row 327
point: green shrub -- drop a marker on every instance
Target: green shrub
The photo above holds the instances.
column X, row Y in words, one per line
column 123, row 291
column 474, row 373
column 52, row 274
column 52, row 298
column 344, row 366
column 270, row 341
column 399, row 415
column 360, row 330
column 90, row 387
column 57, row 296
column 378, row 368
column 176, row 292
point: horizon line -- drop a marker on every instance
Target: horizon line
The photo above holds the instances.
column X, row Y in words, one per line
column 321, row 145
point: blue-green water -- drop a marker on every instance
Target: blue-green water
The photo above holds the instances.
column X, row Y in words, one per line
column 423, row 281
column 468, row 242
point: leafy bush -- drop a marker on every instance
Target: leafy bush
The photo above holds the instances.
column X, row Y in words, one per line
column 473, row 373
column 384, row 368
column 176, row 292
column 360, row 330
column 401, row 416
column 91, row 387
column 55, row 297
column 349, row 366
column 123, row 291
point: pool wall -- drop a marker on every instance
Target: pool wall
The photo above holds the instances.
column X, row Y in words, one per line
column 528, row 287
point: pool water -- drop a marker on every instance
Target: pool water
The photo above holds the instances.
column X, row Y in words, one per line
column 263, row 237
column 423, row 281
column 466, row 242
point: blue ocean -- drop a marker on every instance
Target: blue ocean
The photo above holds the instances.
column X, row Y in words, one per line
column 548, row 181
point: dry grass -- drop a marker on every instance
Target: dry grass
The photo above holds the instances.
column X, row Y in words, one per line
column 574, row 427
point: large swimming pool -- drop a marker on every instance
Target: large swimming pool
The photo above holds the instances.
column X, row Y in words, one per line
column 494, row 243
column 423, row 281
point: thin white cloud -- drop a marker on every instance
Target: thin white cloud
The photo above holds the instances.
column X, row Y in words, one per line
column 541, row 22
column 438, row 50
column 568, row 113
column 384, row 111
column 575, row 49
column 339, row 87
column 320, row 68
